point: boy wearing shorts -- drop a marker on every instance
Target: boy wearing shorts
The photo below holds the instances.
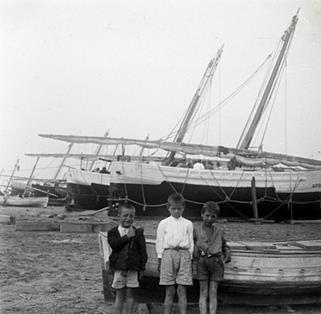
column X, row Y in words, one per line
column 211, row 251
column 174, row 247
column 128, row 258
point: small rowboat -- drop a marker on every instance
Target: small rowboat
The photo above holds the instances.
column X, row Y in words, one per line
column 24, row 201
column 259, row 273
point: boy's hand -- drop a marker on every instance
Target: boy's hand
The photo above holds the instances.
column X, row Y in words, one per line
column 140, row 275
column 227, row 256
column 131, row 233
column 159, row 264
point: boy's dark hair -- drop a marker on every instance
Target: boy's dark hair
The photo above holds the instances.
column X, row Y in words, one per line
column 125, row 205
column 211, row 207
column 175, row 198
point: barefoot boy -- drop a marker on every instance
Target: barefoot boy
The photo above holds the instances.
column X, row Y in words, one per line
column 211, row 251
column 128, row 258
column 174, row 247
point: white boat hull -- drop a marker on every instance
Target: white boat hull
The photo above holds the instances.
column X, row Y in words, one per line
column 24, row 202
column 285, row 182
column 148, row 185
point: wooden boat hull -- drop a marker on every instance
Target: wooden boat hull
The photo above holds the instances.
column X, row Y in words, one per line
column 148, row 187
column 260, row 272
column 24, row 202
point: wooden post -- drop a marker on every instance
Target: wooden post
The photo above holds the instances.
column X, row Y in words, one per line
column 253, row 193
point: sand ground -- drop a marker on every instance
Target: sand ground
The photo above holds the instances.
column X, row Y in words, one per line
column 53, row 272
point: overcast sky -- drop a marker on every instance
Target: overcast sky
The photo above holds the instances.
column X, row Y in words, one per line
column 132, row 67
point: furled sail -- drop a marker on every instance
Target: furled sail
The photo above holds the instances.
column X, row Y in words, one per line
column 185, row 148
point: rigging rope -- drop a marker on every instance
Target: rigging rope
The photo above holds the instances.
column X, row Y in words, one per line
column 221, row 104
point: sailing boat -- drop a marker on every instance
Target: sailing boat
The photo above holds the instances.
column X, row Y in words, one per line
column 22, row 200
column 247, row 182
column 293, row 192
column 83, row 189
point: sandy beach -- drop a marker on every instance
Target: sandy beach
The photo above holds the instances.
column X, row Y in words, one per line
column 53, row 272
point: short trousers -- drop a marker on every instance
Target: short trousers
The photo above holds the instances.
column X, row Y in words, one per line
column 125, row 278
column 210, row 268
column 176, row 268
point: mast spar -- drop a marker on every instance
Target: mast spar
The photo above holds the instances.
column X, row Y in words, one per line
column 63, row 161
column 245, row 140
column 209, row 72
column 30, row 177
column 16, row 166
column 98, row 152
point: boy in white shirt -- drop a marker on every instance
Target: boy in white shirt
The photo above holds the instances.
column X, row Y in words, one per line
column 174, row 247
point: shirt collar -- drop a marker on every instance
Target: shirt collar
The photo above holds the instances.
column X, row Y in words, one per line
column 122, row 230
column 176, row 219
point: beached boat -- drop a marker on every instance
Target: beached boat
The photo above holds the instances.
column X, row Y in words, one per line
column 260, row 272
column 24, row 199
column 278, row 185
column 83, row 189
column 55, row 190
column 10, row 200
column 87, row 189
column 246, row 183
column 148, row 186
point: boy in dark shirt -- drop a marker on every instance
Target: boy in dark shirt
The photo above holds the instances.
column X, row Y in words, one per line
column 128, row 257
column 211, row 251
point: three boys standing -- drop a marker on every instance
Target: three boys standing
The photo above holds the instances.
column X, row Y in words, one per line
column 177, row 243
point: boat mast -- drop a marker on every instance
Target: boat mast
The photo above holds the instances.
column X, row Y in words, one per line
column 97, row 152
column 12, row 174
column 30, row 177
column 209, row 72
column 244, row 142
